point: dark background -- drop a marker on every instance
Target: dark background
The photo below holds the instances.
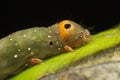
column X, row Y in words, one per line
column 96, row 16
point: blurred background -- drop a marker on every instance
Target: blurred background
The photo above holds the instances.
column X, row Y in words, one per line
column 95, row 16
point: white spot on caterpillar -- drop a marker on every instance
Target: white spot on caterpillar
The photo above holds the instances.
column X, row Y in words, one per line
column 11, row 39
column 29, row 49
column 35, row 30
column 9, row 36
column 49, row 36
column 57, row 42
column 32, row 52
column 76, row 37
column 49, row 31
column 59, row 48
column 24, row 35
column 57, row 32
column 15, row 56
column 33, row 37
column 19, row 50
column 16, row 44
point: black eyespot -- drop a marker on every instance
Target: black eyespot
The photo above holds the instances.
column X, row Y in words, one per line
column 67, row 26
column 50, row 43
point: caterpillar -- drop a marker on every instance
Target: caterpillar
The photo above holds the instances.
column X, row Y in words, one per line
column 30, row 46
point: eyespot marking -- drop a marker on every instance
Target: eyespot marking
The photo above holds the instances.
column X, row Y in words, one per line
column 50, row 43
column 67, row 26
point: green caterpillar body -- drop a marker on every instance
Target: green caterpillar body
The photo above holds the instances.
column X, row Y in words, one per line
column 18, row 48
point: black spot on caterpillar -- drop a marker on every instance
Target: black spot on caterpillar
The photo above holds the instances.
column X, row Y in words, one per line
column 23, row 48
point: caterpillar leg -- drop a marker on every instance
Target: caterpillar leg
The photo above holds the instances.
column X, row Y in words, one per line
column 33, row 61
column 68, row 48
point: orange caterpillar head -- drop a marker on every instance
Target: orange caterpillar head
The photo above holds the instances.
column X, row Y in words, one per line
column 73, row 34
